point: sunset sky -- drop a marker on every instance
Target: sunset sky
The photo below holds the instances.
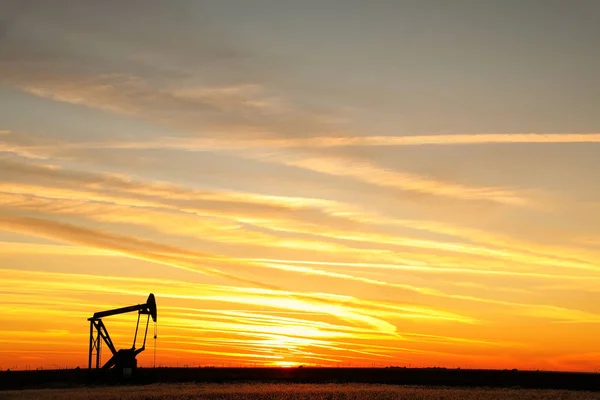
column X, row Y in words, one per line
column 334, row 182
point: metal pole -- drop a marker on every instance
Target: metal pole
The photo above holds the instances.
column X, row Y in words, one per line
column 145, row 334
column 136, row 331
column 155, row 334
column 91, row 344
column 98, row 344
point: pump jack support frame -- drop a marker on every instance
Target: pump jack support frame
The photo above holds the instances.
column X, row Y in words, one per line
column 123, row 358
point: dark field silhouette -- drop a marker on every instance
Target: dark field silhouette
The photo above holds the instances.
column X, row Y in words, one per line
column 396, row 376
column 259, row 391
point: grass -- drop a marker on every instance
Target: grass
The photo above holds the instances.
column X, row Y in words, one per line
column 262, row 391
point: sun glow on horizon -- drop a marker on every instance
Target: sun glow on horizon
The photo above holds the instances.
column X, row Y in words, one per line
column 287, row 364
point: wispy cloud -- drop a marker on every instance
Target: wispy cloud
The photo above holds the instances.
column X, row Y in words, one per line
column 364, row 171
column 266, row 323
column 268, row 299
column 207, row 264
column 348, row 140
column 320, row 224
column 368, row 172
column 336, row 237
column 186, row 259
column 92, row 185
column 7, row 248
column 237, row 111
column 435, row 270
column 269, row 322
column 129, row 246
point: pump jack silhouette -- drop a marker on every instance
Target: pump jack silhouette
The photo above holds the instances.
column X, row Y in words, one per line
column 123, row 360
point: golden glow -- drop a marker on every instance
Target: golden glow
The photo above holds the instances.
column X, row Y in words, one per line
column 286, row 364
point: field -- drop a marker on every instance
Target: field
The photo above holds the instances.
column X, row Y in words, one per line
column 262, row 391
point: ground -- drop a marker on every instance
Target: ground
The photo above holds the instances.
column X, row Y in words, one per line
column 264, row 391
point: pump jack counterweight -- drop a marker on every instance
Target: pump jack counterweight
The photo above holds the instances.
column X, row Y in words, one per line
column 123, row 359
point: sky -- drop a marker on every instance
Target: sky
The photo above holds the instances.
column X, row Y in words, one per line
column 336, row 183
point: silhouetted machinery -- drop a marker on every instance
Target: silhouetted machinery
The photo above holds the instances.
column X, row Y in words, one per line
column 124, row 359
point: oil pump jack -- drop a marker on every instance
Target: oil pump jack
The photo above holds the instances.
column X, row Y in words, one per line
column 124, row 359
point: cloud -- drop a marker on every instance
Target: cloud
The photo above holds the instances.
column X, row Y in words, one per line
column 249, row 332
column 237, row 111
column 434, row 270
column 263, row 324
column 219, row 143
column 367, row 172
column 184, row 74
column 9, row 248
column 273, row 221
column 359, row 241
column 126, row 245
column 361, row 170
column 252, row 111
column 206, row 228
column 173, row 225
column 190, row 260
column 293, row 317
column 125, row 190
column 262, row 298
column 167, row 255
column 178, row 257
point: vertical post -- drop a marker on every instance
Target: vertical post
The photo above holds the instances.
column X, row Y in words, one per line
column 155, row 335
column 136, row 331
column 91, row 344
column 146, row 333
column 98, row 344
